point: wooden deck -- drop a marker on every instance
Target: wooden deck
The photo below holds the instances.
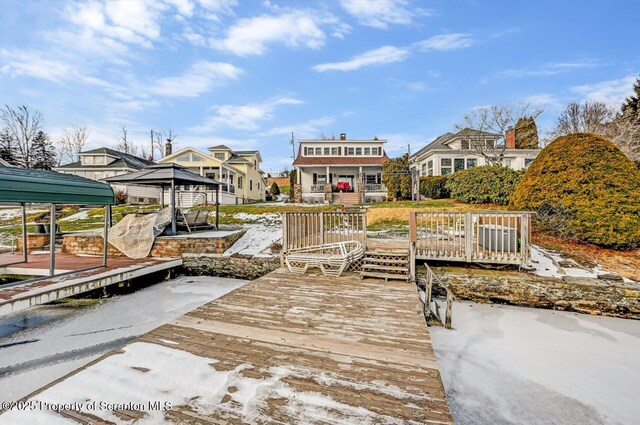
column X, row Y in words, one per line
column 282, row 349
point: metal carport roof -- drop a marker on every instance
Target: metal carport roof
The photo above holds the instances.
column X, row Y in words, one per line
column 18, row 185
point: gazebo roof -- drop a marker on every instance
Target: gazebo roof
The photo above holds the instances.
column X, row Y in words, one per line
column 161, row 175
column 19, row 185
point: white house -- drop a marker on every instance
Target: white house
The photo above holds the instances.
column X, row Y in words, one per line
column 341, row 170
column 97, row 164
column 453, row 152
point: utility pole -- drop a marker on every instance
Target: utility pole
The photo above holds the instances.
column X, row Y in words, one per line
column 293, row 147
column 151, row 134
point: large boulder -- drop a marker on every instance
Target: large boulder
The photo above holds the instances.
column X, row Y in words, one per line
column 590, row 186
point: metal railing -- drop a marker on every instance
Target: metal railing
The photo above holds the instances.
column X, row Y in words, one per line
column 499, row 237
column 303, row 229
column 375, row 188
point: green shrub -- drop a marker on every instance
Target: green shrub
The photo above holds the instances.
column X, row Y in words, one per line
column 592, row 183
column 434, row 187
column 484, row 185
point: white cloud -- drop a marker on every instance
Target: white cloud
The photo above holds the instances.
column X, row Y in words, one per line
column 34, row 64
column 390, row 54
column 245, row 117
column 444, row 42
column 382, row 13
column 251, row 36
column 379, row 56
column 308, row 129
column 397, row 143
column 548, row 69
column 184, row 7
column 199, row 78
column 612, row 92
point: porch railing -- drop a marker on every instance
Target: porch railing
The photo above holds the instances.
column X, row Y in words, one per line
column 303, row 229
column 375, row 188
column 500, row 237
column 317, row 188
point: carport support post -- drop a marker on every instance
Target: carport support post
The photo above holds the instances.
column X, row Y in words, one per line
column 25, row 243
column 173, row 207
column 161, row 196
column 52, row 241
column 217, row 207
column 107, row 224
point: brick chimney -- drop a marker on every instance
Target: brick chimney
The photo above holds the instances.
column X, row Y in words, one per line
column 168, row 148
column 510, row 138
column 343, row 136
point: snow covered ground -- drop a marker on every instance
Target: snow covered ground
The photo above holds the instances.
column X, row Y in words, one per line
column 511, row 365
column 262, row 230
column 47, row 342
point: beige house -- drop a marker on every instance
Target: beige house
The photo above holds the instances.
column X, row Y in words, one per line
column 238, row 171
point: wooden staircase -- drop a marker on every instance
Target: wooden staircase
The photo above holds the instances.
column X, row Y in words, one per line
column 386, row 264
column 346, row 198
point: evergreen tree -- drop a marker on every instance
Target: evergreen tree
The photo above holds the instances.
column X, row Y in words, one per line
column 526, row 133
column 43, row 154
column 631, row 106
column 275, row 189
column 397, row 177
column 8, row 150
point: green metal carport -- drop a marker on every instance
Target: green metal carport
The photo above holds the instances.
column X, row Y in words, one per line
column 22, row 186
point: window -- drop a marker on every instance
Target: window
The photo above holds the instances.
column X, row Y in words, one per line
column 98, row 175
column 367, row 151
column 350, row 151
column 334, row 151
column 258, row 186
column 375, row 178
column 445, row 166
column 489, row 144
column 88, row 160
column 506, row 163
column 231, row 178
column 527, row 162
column 219, row 155
column 327, row 151
column 250, row 184
column 458, row 164
column 318, row 151
column 424, row 169
column 239, row 182
column 359, row 151
column 184, row 158
column 464, row 144
column 196, row 157
column 472, row 162
column 319, row 178
column 430, row 167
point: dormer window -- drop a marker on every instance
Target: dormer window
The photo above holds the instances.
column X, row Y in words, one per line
column 350, row 151
column 318, row 151
column 327, row 151
column 219, row 155
column 464, row 144
column 489, row 144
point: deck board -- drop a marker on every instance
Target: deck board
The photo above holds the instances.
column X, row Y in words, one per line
column 355, row 351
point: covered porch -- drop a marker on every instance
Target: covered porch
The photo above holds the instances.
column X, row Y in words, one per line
column 320, row 181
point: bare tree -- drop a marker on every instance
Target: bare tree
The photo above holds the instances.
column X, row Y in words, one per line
column 495, row 119
column 72, row 143
column 159, row 137
column 23, row 124
column 600, row 119
column 125, row 144
column 332, row 137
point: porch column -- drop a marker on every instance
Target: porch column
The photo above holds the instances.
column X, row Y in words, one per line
column 299, row 175
column 202, row 171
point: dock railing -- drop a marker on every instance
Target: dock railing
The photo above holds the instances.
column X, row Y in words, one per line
column 498, row 237
column 431, row 309
column 301, row 229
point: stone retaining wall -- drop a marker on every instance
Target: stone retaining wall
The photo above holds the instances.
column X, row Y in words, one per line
column 585, row 295
column 164, row 246
column 235, row 267
column 35, row 242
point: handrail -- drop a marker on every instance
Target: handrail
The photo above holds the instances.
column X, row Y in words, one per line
column 432, row 313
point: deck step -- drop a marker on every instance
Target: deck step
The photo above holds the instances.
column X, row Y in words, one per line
column 386, row 253
column 372, row 260
column 385, row 267
column 385, row 276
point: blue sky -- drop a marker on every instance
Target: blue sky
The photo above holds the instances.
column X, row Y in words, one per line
column 247, row 73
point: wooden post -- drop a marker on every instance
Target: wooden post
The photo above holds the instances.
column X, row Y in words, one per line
column 413, row 232
column 412, row 262
column 448, row 312
column 25, row 245
column 217, row 207
column 107, row 223
column 52, row 241
column 468, row 236
column 322, row 226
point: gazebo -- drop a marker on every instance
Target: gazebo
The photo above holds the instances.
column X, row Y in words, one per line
column 19, row 186
column 168, row 175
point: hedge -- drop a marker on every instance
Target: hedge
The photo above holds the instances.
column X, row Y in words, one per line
column 593, row 184
column 433, row 187
column 484, row 185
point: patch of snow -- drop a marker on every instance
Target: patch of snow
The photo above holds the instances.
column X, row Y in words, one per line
column 46, row 342
column 147, row 371
column 258, row 238
column 547, row 263
column 270, row 219
column 82, row 215
column 206, row 234
column 514, row 365
column 9, row 213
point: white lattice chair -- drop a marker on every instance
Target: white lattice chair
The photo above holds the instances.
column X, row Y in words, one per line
column 332, row 259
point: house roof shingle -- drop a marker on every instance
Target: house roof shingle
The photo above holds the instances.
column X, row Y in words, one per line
column 124, row 160
column 441, row 141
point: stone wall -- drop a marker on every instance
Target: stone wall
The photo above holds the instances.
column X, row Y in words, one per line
column 235, row 267
column 35, row 242
column 585, row 295
column 164, row 246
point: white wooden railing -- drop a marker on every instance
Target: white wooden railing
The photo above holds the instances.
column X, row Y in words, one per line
column 368, row 188
column 303, row 229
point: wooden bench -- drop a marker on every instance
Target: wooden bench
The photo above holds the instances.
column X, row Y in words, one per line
column 332, row 259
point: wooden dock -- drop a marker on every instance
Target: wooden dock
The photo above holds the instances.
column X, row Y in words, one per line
column 18, row 296
column 282, row 349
